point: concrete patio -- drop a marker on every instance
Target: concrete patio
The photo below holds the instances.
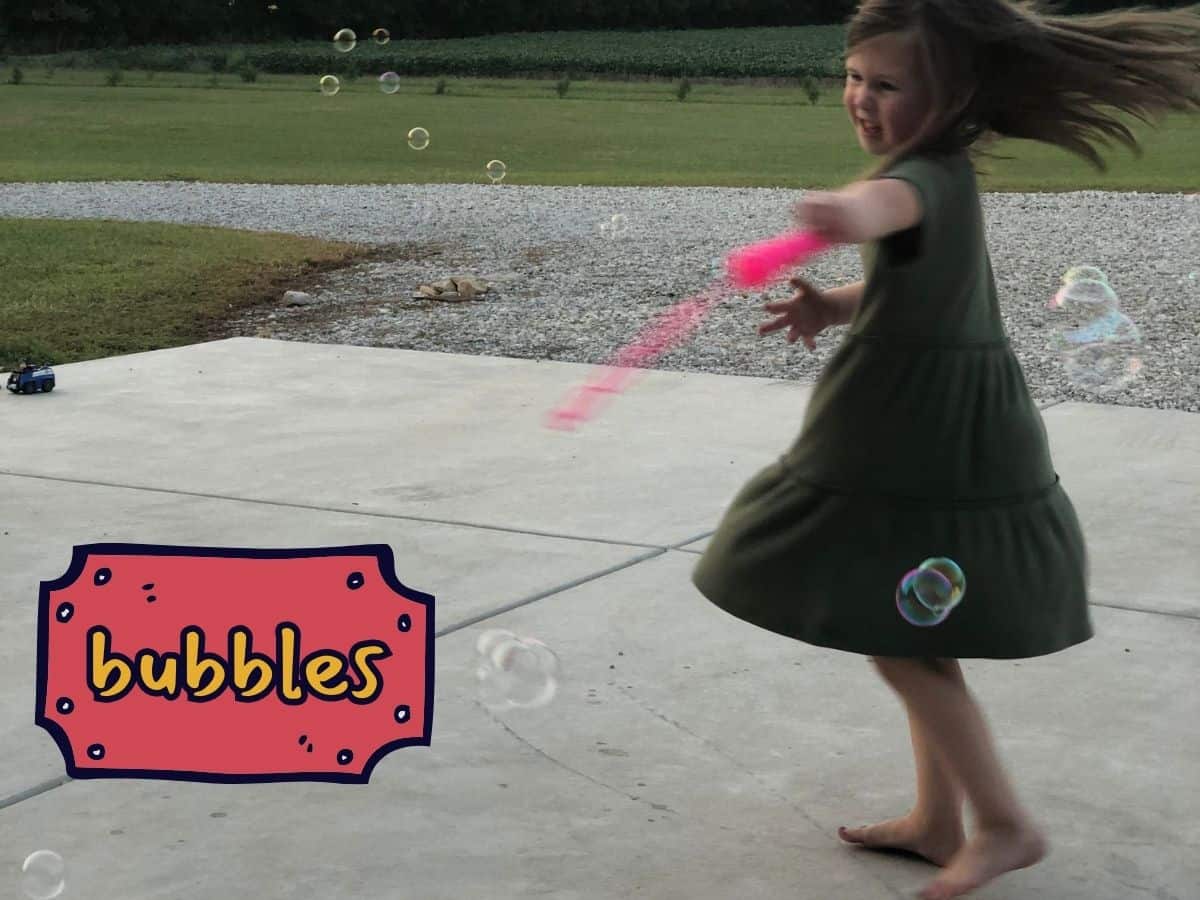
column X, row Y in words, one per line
column 687, row 755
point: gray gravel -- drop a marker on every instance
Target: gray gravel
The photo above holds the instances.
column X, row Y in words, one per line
column 565, row 291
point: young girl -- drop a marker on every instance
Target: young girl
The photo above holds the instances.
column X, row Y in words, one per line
column 921, row 439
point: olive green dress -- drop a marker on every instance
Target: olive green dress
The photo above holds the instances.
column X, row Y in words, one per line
column 920, row 441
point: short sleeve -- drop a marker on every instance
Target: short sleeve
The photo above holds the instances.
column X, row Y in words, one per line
column 931, row 177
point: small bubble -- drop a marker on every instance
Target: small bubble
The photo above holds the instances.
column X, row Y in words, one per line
column 65, row 611
column 345, row 757
column 330, row 85
column 418, row 138
column 96, row 751
column 381, row 36
column 355, row 581
column 43, row 875
column 65, row 705
column 496, row 171
column 102, row 576
column 389, row 82
column 345, row 40
column 404, row 623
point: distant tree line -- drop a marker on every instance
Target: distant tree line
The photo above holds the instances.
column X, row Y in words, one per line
column 33, row 26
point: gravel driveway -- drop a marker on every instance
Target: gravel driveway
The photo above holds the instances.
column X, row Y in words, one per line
column 563, row 290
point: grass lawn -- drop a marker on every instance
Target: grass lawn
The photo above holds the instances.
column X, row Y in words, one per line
column 70, row 125
column 84, row 290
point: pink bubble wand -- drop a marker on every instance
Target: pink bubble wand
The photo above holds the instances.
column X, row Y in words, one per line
column 750, row 267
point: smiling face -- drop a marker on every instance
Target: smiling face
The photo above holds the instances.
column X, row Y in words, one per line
column 884, row 90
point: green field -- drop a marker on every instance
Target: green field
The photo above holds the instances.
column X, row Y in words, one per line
column 84, row 290
column 70, row 125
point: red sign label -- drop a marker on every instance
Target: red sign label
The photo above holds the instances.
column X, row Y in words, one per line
column 233, row 665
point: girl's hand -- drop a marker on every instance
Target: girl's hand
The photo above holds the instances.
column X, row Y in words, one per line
column 833, row 216
column 807, row 313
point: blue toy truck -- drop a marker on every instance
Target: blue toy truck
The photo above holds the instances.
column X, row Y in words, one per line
column 30, row 378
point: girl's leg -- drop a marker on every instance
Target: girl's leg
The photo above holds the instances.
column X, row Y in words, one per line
column 1006, row 838
column 933, row 828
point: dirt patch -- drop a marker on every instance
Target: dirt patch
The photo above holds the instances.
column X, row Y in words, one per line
column 263, row 295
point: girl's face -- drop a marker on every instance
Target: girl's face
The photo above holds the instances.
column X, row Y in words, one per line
column 884, row 91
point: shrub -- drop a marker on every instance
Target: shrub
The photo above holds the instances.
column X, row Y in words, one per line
column 812, row 88
column 248, row 73
column 115, row 77
column 213, row 80
column 563, row 86
column 441, row 86
column 685, row 88
column 17, row 76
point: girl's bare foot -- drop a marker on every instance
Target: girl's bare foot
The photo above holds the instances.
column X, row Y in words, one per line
column 989, row 853
column 937, row 844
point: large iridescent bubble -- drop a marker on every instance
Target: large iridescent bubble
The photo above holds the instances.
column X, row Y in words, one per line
column 515, row 671
column 1099, row 346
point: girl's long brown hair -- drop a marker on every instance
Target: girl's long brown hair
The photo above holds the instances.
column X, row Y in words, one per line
column 1004, row 68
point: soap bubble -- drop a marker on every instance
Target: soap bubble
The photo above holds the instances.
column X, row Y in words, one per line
column 389, row 82
column 496, row 171
column 514, row 671
column 1099, row 345
column 345, row 40
column 928, row 594
column 418, row 138
column 381, row 36
column 43, row 875
column 1084, row 273
column 330, row 85
column 615, row 227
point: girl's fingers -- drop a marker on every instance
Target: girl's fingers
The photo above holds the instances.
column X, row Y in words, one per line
column 780, row 305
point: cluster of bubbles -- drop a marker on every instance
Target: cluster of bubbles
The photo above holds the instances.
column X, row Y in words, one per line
column 929, row 593
column 43, row 875
column 514, row 672
column 1099, row 345
column 346, row 40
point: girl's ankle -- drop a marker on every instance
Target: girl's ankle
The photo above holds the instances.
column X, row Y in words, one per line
column 945, row 821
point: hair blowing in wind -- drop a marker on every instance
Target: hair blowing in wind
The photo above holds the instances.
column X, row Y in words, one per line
column 998, row 68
